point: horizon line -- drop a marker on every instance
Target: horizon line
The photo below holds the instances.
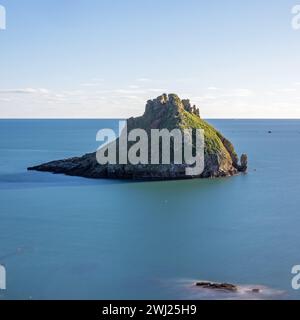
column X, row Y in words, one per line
column 92, row 118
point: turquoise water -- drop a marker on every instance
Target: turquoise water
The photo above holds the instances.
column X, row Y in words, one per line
column 67, row 237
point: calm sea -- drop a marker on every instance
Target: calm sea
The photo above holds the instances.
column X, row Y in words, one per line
column 67, row 237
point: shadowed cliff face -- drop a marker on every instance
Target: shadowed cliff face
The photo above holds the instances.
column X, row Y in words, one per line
column 165, row 112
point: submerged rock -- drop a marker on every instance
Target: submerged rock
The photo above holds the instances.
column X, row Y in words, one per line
column 230, row 288
column 165, row 112
column 217, row 286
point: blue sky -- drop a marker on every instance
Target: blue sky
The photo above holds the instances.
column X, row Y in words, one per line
column 104, row 58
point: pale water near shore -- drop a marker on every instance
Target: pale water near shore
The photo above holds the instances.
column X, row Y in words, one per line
column 68, row 237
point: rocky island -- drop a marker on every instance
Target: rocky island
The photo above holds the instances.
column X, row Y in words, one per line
column 165, row 112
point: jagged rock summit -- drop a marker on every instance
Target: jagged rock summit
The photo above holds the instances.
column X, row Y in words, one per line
column 165, row 112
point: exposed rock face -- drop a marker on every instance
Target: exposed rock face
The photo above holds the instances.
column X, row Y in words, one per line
column 244, row 163
column 165, row 112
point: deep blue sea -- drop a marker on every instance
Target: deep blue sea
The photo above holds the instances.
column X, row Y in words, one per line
column 74, row 238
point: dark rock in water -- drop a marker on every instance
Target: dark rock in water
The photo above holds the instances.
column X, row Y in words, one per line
column 244, row 163
column 165, row 112
column 217, row 286
column 226, row 287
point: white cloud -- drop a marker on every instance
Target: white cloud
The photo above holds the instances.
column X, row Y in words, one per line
column 204, row 98
column 239, row 93
column 24, row 91
column 94, row 82
column 161, row 91
column 91, row 84
column 288, row 90
column 126, row 91
column 270, row 93
column 130, row 101
column 212, row 88
column 131, row 97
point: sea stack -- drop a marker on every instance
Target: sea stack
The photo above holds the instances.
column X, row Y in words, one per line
column 164, row 112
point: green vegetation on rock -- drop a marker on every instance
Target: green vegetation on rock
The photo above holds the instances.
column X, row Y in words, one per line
column 164, row 112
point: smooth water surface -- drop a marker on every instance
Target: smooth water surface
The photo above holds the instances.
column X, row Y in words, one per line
column 67, row 237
